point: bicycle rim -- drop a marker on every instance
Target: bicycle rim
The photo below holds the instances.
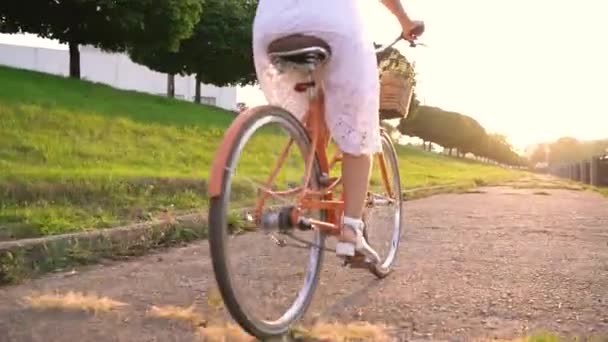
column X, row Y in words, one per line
column 218, row 232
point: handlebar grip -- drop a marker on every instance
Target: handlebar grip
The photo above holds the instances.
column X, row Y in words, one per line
column 418, row 29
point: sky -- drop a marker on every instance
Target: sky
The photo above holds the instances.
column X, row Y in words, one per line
column 533, row 70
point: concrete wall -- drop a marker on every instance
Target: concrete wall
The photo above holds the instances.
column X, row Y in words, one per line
column 116, row 70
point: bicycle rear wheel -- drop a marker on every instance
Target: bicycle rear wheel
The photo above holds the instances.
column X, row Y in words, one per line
column 268, row 120
column 383, row 214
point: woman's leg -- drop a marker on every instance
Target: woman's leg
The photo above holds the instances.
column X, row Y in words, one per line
column 356, row 172
column 351, row 97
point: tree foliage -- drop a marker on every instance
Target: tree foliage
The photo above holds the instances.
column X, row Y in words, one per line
column 448, row 129
column 453, row 130
column 568, row 149
column 111, row 25
column 218, row 51
column 497, row 148
column 540, row 154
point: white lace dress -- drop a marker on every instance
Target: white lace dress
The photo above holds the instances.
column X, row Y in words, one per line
column 350, row 78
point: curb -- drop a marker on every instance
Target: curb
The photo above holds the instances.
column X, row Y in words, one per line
column 29, row 258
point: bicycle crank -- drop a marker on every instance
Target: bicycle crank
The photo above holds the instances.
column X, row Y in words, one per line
column 282, row 221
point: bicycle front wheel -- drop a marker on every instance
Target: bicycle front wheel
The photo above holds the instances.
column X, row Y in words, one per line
column 260, row 142
column 383, row 214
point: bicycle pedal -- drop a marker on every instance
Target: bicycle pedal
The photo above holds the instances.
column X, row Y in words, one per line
column 357, row 261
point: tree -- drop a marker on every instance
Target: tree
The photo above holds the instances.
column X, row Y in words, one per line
column 218, row 51
column 107, row 24
column 161, row 60
column 540, row 154
column 447, row 129
column 566, row 149
column 497, row 148
column 472, row 135
column 420, row 124
column 453, row 130
column 450, row 130
column 598, row 147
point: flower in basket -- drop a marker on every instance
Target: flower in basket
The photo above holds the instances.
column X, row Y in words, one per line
column 397, row 81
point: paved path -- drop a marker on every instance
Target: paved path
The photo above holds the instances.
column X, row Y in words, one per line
column 500, row 263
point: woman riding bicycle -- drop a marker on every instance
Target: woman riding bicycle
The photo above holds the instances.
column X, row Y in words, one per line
column 350, row 83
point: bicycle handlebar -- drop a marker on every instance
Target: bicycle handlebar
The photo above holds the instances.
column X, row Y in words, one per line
column 413, row 44
column 417, row 31
column 384, row 48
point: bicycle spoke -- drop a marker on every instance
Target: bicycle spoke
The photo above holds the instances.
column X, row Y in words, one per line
column 260, row 186
column 308, row 243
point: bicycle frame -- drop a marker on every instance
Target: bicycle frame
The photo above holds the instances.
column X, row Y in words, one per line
column 322, row 199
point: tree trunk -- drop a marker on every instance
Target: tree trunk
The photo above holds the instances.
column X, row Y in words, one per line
column 74, row 60
column 450, row 151
column 171, row 85
column 197, row 89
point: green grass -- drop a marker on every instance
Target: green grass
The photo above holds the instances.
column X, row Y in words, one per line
column 419, row 168
column 76, row 155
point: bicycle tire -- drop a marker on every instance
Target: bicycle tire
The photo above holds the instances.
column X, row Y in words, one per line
column 218, row 230
column 381, row 270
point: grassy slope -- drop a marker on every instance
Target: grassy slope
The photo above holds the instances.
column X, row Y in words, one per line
column 77, row 155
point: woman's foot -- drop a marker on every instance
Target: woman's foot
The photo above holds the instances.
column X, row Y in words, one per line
column 352, row 240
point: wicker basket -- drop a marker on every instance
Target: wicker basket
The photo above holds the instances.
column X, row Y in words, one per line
column 395, row 95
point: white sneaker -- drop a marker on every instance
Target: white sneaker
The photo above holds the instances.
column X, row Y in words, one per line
column 344, row 248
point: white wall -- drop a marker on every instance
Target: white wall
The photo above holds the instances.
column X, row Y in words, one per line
column 116, row 70
column 45, row 60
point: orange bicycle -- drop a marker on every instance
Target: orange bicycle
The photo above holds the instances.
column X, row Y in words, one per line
column 317, row 204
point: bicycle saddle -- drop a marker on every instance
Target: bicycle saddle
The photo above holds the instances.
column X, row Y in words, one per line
column 299, row 49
